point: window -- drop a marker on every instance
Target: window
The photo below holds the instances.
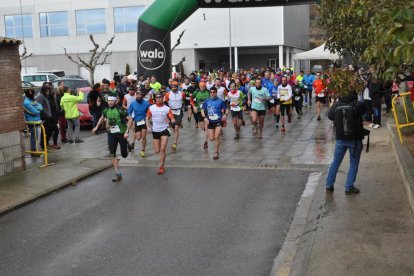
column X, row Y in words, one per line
column 53, row 24
column 126, row 19
column 90, row 22
column 18, row 26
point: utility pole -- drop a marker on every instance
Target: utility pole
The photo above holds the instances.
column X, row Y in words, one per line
column 230, row 57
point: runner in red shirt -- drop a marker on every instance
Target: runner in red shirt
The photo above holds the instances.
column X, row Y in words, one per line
column 319, row 89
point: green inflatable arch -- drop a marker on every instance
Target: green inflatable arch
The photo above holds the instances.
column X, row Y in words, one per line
column 163, row 16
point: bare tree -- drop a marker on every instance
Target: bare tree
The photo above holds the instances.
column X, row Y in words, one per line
column 95, row 58
column 178, row 41
column 25, row 55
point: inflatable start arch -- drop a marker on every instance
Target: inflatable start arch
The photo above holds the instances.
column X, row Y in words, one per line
column 163, row 16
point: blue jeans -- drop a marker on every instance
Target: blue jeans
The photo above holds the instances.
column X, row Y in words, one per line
column 341, row 146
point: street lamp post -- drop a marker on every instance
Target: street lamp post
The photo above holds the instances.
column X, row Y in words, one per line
column 230, row 58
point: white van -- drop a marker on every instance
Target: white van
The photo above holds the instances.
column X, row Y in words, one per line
column 58, row 73
column 39, row 78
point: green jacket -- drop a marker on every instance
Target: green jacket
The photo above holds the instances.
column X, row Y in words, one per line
column 69, row 103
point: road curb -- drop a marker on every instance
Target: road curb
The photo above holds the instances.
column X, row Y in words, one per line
column 405, row 164
column 295, row 252
column 55, row 188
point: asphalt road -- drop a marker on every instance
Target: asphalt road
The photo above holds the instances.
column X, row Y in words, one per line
column 186, row 222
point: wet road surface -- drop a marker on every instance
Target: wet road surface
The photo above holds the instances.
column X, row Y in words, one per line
column 187, row 222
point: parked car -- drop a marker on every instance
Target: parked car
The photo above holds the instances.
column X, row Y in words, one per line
column 74, row 77
column 85, row 117
column 73, row 84
column 58, row 73
column 39, row 78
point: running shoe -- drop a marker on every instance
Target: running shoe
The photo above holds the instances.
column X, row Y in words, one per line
column 216, row 156
column 205, row 145
column 77, row 141
column 118, row 177
column 56, row 146
column 174, row 147
column 254, row 130
column 142, row 153
column 376, row 126
column 283, row 130
column 189, row 119
column 289, row 119
column 161, row 170
column 277, row 126
column 237, row 137
column 299, row 117
column 319, row 118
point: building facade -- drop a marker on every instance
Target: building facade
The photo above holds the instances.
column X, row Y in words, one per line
column 11, row 104
column 257, row 37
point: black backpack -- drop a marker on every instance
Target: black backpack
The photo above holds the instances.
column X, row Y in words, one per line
column 348, row 123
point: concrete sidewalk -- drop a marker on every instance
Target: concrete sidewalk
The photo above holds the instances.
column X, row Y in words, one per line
column 71, row 163
column 371, row 233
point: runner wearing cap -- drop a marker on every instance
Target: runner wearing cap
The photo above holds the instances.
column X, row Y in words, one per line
column 138, row 112
column 174, row 100
column 117, row 132
column 160, row 115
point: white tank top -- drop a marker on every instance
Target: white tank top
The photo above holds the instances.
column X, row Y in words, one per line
column 160, row 119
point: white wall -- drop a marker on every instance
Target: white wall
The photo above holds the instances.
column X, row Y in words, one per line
column 249, row 28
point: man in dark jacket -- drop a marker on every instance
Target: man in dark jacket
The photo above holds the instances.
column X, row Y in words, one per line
column 46, row 114
column 354, row 146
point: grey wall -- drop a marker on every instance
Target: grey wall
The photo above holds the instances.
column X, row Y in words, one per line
column 296, row 26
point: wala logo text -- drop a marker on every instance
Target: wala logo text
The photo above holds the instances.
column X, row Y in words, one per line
column 151, row 54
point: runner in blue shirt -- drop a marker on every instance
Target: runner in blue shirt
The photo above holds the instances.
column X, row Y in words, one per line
column 258, row 96
column 138, row 111
column 214, row 112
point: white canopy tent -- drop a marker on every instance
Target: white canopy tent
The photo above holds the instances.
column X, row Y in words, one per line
column 316, row 53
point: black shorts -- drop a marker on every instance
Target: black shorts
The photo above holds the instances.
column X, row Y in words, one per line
column 283, row 108
column 200, row 117
column 178, row 118
column 157, row 135
column 320, row 99
column 113, row 140
column 213, row 125
column 237, row 114
column 259, row 112
column 140, row 128
column 275, row 103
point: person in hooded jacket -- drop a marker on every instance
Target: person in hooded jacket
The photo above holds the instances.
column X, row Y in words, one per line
column 342, row 146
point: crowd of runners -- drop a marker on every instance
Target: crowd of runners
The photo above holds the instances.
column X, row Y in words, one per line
column 130, row 109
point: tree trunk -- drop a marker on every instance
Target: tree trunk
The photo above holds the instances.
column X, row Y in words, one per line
column 91, row 76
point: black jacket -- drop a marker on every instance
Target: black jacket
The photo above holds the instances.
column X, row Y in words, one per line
column 360, row 108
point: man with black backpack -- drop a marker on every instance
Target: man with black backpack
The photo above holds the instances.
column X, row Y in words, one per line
column 347, row 116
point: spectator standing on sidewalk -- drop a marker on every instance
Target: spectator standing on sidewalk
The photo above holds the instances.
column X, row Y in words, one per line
column 53, row 131
column 32, row 111
column 349, row 136
column 95, row 101
column 375, row 93
column 69, row 104
column 61, row 113
column 45, row 115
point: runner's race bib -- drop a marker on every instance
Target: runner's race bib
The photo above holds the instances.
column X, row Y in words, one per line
column 257, row 100
column 187, row 98
column 272, row 101
column 297, row 98
column 321, row 95
column 213, row 117
column 235, row 108
column 115, row 129
column 141, row 123
column 201, row 106
column 176, row 111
